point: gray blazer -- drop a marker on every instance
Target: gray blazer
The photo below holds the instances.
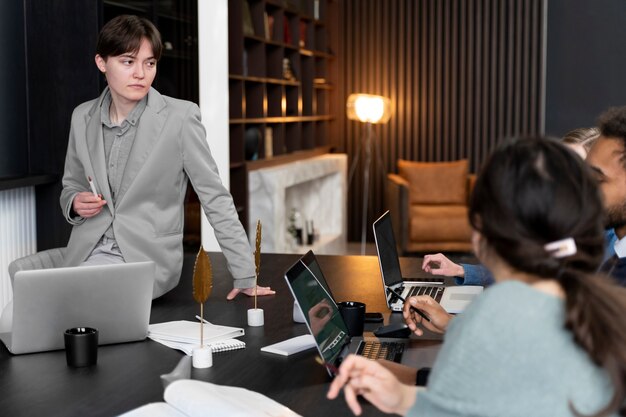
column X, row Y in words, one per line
column 170, row 146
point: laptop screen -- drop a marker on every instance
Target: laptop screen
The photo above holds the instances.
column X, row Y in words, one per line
column 320, row 312
column 387, row 250
column 310, row 261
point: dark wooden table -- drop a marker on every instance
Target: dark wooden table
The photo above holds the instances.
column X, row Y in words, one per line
column 127, row 375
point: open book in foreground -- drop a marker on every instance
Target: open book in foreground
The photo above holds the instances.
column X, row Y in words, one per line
column 189, row 398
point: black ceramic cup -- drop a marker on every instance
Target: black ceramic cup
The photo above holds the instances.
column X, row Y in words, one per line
column 81, row 346
column 353, row 314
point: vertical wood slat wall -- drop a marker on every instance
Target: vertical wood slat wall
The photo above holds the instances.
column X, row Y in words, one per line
column 460, row 74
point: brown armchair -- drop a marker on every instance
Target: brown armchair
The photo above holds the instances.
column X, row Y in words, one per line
column 428, row 202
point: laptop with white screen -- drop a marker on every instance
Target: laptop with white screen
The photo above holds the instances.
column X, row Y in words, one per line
column 115, row 299
column 329, row 330
column 454, row 299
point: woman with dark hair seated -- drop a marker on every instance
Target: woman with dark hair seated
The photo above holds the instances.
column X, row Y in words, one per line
column 546, row 339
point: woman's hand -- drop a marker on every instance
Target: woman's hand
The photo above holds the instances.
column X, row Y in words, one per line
column 360, row 376
column 87, row 205
column 250, row 292
column 439, row 318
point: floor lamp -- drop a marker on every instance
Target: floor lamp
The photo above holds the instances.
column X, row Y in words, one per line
column 369, row 109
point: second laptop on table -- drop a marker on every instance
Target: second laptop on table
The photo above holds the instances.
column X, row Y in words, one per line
column 454, row 299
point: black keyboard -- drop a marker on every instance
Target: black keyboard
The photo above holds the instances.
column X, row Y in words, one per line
column 433, row 290
column 392, row 351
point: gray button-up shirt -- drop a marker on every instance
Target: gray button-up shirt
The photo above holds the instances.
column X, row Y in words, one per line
column 118, row 141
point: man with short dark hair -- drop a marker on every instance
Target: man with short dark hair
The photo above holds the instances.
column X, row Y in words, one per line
column 607, row 158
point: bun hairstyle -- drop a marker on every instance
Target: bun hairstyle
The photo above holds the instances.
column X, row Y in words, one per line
column 533, row 191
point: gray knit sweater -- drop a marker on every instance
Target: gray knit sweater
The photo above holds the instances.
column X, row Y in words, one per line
column 509, row 354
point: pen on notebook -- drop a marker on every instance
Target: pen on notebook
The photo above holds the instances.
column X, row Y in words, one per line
column 92, row 186
column 418, row 311
column 205, row 321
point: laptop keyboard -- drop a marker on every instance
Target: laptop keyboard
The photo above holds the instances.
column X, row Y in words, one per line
column 434, row 291
column 391, row 351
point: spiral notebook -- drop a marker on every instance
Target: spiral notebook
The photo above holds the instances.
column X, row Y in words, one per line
column 221, row 346
column 185, row 335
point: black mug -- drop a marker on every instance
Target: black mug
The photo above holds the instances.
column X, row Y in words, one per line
column 353, row 314
column 81, row 346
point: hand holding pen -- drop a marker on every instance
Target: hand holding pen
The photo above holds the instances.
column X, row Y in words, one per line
column 413, row 309
column 88, row 203
column 438, row 318
column 359, row 376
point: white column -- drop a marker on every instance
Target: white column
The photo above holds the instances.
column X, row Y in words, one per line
column 213, row 78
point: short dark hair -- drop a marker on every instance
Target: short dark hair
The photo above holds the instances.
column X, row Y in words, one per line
column 612, row 123
column 124, row 34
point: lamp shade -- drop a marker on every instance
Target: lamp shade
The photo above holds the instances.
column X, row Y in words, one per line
column 368, row 108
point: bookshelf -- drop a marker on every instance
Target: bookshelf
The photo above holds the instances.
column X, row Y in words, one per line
column 280, row 87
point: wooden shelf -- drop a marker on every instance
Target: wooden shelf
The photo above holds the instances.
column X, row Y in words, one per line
column 287, row 119
column 284, row 159
column 263, row 80
column 278, row 113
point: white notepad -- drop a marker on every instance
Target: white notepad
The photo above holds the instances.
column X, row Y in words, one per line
column 221, row 346
column 291, row 346
column 189, row 332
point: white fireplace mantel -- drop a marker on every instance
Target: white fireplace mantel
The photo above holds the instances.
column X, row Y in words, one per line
column 316, row 187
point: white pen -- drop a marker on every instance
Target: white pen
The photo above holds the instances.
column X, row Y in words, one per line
column 93, row 187
column 204, row 320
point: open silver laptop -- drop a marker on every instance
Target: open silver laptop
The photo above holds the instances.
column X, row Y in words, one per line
column 115, row 299
column 329, row 330
column 454, row 299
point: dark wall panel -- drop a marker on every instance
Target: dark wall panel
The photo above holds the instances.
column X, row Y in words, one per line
column 60, row 45
column 460, row 74
column 586, row 57
column 13, row 125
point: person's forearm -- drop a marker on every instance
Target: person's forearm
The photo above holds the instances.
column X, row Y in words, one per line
column 408, row 396
column 243, row 283
column 475, row 275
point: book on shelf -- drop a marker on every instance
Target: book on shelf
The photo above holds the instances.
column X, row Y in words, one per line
column 268, row 21
column 248, row 27
column 287, row 32
column 191, row 398
column 269, row 142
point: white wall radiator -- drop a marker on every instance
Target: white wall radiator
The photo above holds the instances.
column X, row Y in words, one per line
column 18, row 233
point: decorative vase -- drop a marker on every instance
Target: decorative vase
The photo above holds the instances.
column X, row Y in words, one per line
column 255, row 317
column 202, row 357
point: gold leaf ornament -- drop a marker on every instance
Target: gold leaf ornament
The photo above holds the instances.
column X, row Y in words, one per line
column 257, row 252
column 202, row 277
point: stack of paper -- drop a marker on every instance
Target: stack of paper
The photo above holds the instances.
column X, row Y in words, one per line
column 185, row 335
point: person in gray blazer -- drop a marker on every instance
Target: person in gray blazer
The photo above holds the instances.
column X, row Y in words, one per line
column 130, row 154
